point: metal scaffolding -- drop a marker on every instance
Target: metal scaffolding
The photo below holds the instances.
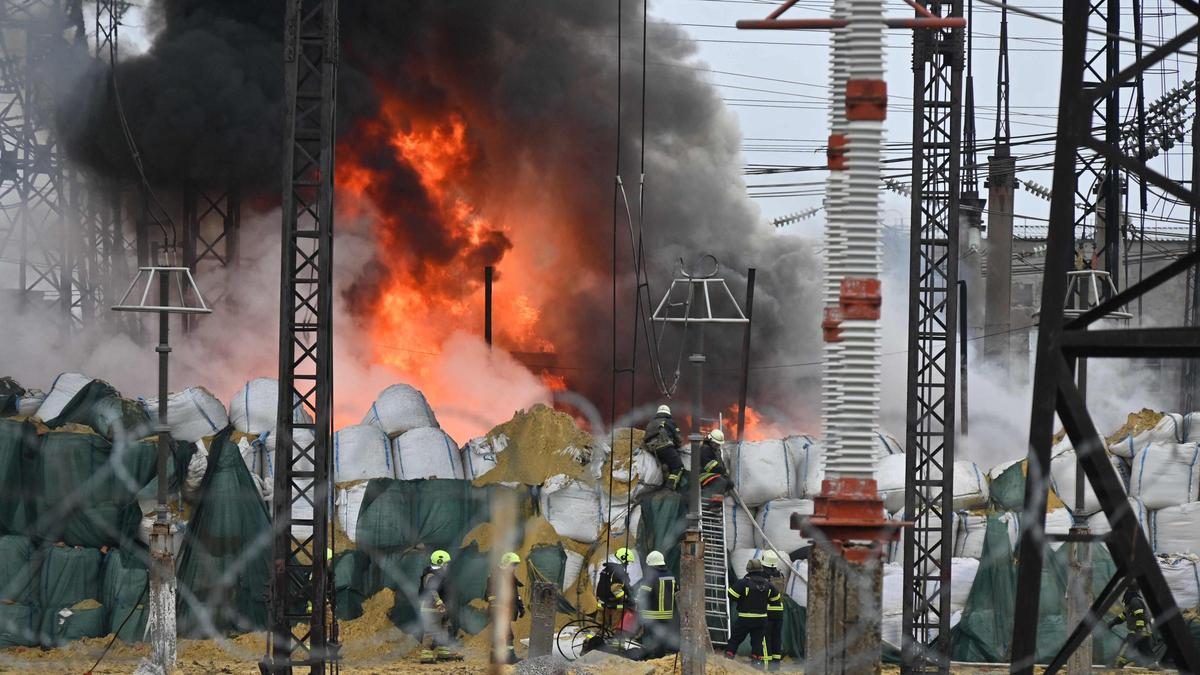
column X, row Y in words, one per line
column 34, row 207
column 303, row 627
column 933, row 320
column 1061, row 343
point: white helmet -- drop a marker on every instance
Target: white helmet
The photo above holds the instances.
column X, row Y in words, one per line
column 655, row 559
column 664, row 409
column 716, row 436
column 769, row 559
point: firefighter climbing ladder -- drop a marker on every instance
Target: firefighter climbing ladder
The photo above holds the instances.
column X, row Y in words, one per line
column 716, row 571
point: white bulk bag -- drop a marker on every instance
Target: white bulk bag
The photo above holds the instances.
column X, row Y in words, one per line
column 970, row 530
column 1058, row 521
column 254, row 408
column 797, row 583
column 615, row 510
column 740, row 556
column 1098, row 522
column 479, row 455
column 426, row 453
column 65, row 386
column 29, row 402
column 995, row 471
column 739, row 531
column 892, row 600
column 348, row 503
column 763, row 470
column 400, row 408
column 572, row 568
column 361, row 452
column 970, row 486
column 1170, row 429
column 810, row 464
column 1191, row 427
column 1062, row 481
column 572, row 508
column 775, row 519
column 889, row 477
column 1182, row 574
column 192, row 413
column 1173, row 529
column 647, row 471
column 1165, row 474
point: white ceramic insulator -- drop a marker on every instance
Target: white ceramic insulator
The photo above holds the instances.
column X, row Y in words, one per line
column 834, row 243
column 858, row 370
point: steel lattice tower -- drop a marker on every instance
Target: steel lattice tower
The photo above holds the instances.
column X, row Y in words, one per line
column 303, row 629
column 933, row 277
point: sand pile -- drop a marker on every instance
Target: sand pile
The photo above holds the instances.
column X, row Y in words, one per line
column 539, row 443
column 1137, row 422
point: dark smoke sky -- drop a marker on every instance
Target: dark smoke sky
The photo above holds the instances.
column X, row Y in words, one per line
column 536, row 83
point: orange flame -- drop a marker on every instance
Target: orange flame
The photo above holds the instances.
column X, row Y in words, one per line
column 422, row 300
column 757, row 427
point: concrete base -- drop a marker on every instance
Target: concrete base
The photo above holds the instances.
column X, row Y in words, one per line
column 843, row 613
column 161, row 620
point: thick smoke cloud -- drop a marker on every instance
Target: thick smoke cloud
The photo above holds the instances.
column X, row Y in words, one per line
column 535, row 84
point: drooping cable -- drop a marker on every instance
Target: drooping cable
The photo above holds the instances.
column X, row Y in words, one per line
column 135, row 154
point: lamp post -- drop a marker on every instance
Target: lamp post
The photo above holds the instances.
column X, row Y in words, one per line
column 177, row 294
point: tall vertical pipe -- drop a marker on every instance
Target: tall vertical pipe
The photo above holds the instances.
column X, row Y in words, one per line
column 741, row 418
column 488, row 273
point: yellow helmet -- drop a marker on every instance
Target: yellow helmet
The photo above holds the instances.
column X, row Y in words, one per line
column 716, row 436
column 439, row 557
column 510, row 558
column 626, row 555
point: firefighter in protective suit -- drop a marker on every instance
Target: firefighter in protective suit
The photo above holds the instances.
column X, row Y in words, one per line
column 714, row 479
column 506, row 574
column 614, row 593
column 1138, row 647
column 656, row 608
column 662, row 439
column 770, row 563
column 435, row 625
column 753, row 594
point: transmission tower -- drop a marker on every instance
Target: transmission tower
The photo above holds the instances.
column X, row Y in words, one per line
column 303, row 628
column 933, row 307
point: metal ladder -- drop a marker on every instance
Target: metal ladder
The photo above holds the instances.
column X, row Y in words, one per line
column 716, row 572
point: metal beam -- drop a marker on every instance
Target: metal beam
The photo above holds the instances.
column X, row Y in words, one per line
column 933, row 321
column 303, row 628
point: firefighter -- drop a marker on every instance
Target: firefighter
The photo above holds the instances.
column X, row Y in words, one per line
column 656, row 608
column 435, row 625
column 753, row 594
column 714, row 479
column 613, row 591
column 1137, row 649
column 770, row 563
column 662, row 439
column 506, row 574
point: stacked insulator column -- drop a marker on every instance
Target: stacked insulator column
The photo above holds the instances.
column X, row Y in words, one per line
column 858, row 370
column 834, row 237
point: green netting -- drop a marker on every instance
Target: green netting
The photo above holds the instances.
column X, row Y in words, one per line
column 664, row 520
column 99, row 406
column 88, row 489
column 18, row 569
column 125, row 593
column 18, row 626
column 401, row 572
column 1008, row 489
column 399, row 514
column 75, row 624
column 355, row 581
column 224, row 564
column 548, row 562
column 984, row 634
column 19, row 444
column 468, row 574
column 68, row 576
